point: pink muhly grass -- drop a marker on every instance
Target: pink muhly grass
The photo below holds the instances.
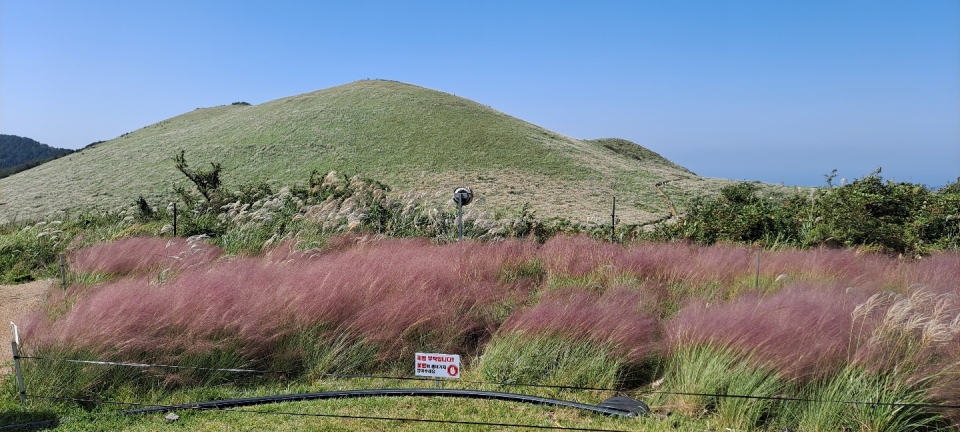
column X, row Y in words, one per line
column 576, row 255
column 617, row 318
column 938, row 273
column 687, row 264
column 138, row 255
column 399, row 294
column 408, row 294
column 838, row 266
column 803, row 331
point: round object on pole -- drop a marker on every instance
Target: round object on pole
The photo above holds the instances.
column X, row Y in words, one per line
column 462, row 195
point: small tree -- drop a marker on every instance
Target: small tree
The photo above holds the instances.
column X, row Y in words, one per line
column 207, row 182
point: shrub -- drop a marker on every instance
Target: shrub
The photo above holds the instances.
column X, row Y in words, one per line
column 869, row 211
column 883, row 215
column 739, row 215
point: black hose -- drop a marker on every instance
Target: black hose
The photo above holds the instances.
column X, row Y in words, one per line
column 475, row 394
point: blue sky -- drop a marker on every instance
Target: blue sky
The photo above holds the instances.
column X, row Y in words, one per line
column 767, row 90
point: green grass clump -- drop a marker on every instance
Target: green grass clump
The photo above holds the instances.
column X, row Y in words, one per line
column 315, row 354
column 519, row 358
column 848, row 401
column 706, row 369
column 30, row 251
column 61, row 379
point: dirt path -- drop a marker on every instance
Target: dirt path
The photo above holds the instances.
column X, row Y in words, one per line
column 16, row 301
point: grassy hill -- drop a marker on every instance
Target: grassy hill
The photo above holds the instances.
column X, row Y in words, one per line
column 411, row 138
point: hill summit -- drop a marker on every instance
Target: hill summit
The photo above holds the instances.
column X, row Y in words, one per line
column 411, row 138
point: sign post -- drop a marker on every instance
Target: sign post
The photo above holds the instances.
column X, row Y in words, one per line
column 438, row 366
column 462, row 196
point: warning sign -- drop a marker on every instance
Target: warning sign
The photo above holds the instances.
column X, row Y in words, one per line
column 438, row 365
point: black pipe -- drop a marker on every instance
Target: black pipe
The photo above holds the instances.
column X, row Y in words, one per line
column 475, row 394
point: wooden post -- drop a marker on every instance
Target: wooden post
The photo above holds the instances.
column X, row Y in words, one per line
column 16, row 369
column 174, row 219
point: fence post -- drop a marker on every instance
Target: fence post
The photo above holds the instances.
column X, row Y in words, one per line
column 18, row 372
column 63, row 273
column 757, row 285
column 174, row 219
column 613, row 219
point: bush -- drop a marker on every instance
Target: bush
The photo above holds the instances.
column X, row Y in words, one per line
column 880, row 215
column 738, row 215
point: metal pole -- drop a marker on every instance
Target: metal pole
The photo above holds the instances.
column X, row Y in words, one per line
column 757, row 285
column 18, row 372
column 613, row 219
column 174, row 219
column 63, row 273
column 460, row 217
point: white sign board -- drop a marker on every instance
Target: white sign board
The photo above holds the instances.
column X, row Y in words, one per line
column 438, row 365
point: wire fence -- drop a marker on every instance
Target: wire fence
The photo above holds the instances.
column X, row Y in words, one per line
column 507, row 384
column 24, row 395
column 499, row 384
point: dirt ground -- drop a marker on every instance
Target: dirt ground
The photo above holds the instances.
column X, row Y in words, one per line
column 16, row 301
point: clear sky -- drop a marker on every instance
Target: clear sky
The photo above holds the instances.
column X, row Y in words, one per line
column 756, row 90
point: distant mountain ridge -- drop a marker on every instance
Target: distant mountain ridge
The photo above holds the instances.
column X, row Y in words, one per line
column 19, row 153
column 17, row 150
column 416, row 140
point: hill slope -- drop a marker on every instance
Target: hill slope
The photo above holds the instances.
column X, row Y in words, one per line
column 409, row 137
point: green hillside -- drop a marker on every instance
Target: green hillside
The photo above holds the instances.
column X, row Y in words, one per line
column 411, row 138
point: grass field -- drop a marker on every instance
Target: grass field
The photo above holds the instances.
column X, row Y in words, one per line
column 651, row 320
column 411, row 138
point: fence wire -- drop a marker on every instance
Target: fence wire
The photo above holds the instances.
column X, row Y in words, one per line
column 561, row 387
